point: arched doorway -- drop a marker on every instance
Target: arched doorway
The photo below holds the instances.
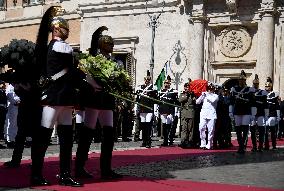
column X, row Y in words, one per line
column 228, row 84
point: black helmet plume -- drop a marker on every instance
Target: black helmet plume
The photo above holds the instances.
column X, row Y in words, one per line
column 269, row 82
column 243, row 75
column 256, row 79
column 42, row 37
column 95, row 40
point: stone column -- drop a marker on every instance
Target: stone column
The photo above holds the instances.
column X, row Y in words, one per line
column 197, row 47
column 282, row 58
column 266, row 62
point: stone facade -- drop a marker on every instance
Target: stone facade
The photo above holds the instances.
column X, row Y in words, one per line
column 212, row 39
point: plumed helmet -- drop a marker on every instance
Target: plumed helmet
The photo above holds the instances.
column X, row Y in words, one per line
column 97, row 38
column 256, row 79
column 268, row 82
column 210, row 85
column 243, row 75
column 45, row 28
column 168, row 80
column 59, row 22
column 148, row 76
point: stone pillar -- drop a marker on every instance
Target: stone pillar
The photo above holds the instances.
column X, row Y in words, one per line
column 266, row 62
column 281, row 91
column 197, row 42
column 197, row 47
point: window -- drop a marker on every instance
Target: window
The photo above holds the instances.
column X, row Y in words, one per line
column 32, row 2
column 2, row 5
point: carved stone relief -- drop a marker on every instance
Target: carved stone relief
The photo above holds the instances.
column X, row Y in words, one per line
column 232, row 6
column 234, row 41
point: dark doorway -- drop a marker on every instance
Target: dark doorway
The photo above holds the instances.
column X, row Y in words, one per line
column 121, row 57
column 228, row 84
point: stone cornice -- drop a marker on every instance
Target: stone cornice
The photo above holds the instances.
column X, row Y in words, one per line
column 230, row 64
column 18, row 22
column 267, row 7
column 198, row 10
column 118, row 8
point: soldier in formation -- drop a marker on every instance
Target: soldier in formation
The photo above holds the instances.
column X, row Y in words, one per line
column 146, row 114
column 167, row 109
column 272, row 114
column 259, row 123
column 99, row 106
column 187, row 101
column 242, row 110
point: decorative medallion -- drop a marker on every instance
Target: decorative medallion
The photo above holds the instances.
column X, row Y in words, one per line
column 234, row 42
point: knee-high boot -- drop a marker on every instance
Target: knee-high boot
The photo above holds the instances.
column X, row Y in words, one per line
column 166, row 129
column 148, row 129
column 85, row 136
column 106, row 154
column 40, row 142
column 17, row 152
column 253, row 137
column 266, row 139
column 240, row 139
column 273, row 136
column 245, row 135
column 261, row 130
column 143, row 126
column 65, row 134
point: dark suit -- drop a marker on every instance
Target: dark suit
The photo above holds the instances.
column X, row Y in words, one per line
column 187, row 101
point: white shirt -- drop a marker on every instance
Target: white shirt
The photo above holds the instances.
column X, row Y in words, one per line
column 208, row 110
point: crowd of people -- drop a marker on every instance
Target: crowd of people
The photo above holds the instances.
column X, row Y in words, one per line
column 206, row 118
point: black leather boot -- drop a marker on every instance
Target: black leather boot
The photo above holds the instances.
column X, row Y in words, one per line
column 65, row 179
column 148, row 128
column 18, row 150
column 245, row 129
column 253, row 138
column 273, row 136
column 106, row 154
column 266, row 140
column 240, row 139
column 166, row 129
column 65, row 134
column 261, row 130
column 85, row 136
column 143, row 126
column 40, row 141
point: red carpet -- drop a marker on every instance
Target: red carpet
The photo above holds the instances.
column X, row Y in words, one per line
column 19, row 178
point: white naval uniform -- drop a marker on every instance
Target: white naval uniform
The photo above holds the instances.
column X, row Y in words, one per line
column 11, row 127
column 208, row 117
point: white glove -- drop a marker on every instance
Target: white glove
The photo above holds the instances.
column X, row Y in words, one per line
column 156, row 110
column 231, row 115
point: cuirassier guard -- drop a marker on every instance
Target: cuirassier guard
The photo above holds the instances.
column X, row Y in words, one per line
column 259, row 123
column 167, row 111
column 146, row 114
column 242, row 110
column 59, row 96
column 272, row 114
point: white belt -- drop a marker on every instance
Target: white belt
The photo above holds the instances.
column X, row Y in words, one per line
column 59, row 74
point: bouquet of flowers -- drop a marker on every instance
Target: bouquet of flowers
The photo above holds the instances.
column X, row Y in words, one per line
column 106, row 73
column 18, row 54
